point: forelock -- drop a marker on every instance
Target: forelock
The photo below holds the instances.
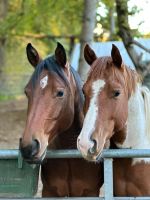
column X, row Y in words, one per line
column 52, row 66
column 104, row 67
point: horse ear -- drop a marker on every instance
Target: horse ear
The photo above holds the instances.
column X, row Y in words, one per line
column 60, row 55
column 32, row 55
column 116, row 57
column 89, row 54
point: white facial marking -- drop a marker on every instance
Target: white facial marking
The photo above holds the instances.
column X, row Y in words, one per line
column 90, row 118
column 43, row 82
column 137, row 135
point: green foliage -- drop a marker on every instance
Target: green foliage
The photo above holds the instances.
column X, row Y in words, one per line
column 108, row 3
column 26, row 19
column 56, row 17
column 105, row 17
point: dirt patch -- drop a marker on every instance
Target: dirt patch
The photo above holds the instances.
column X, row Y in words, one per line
column 12, row 123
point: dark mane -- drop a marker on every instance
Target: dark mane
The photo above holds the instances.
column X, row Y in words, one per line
column 79, row 86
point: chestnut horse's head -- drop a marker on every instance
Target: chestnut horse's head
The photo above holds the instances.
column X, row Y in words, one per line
column 107, row 90
column 52, row 95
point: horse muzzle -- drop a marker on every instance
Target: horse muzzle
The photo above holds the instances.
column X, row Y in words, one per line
column 30, row 152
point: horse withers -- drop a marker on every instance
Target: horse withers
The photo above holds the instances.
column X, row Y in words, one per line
column 117, row 109
column 54, row 121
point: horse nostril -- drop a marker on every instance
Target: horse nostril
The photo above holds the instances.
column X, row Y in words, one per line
column 35, row 147
column 29, row 151
column 92, row 150
column 78, row 140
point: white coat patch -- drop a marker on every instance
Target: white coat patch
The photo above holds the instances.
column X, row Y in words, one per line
column 43, row 82
column 137, row 136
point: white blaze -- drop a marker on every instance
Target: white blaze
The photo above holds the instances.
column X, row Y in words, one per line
column 90, row 118
column 43, row 82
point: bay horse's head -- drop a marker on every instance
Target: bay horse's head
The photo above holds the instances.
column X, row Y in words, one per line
column 107, row 90
column 51, row 94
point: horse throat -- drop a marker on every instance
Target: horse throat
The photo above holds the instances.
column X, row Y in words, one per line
column 68, row 138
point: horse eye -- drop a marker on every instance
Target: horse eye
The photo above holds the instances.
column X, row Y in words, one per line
column 60, row 93
column 116, row 93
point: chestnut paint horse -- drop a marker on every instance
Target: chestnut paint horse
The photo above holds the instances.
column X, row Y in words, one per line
column 54, row 121
column 117, row 108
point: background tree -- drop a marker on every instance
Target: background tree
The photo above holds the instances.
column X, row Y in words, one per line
column 88, row 25
column 127, row 37
column 110, row 18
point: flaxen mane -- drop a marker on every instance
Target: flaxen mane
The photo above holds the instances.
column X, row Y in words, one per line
column 146, row 96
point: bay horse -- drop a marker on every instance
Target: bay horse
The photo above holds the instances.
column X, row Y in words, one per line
column 117, row 109
column 54, row 121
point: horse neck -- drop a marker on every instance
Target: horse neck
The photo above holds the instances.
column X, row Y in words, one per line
column 68, row 138
column 78, row 103
column 137, row 131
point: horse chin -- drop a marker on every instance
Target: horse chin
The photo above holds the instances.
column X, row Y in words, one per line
column 37, row 160
column 93, row 158
column 98, row 156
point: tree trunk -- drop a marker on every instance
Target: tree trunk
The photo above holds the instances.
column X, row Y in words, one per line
column 89, row 18
column 128, row 40
column 124, row 29
column 112, row 23
column 3, row 13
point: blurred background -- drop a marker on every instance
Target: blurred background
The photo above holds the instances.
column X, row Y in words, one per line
column 73, row 23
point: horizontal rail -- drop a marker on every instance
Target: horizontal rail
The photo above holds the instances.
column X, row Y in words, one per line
column 79, row 198
column 9, row 153
column 126, row 153
column 59, row 198
column 109, row 153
